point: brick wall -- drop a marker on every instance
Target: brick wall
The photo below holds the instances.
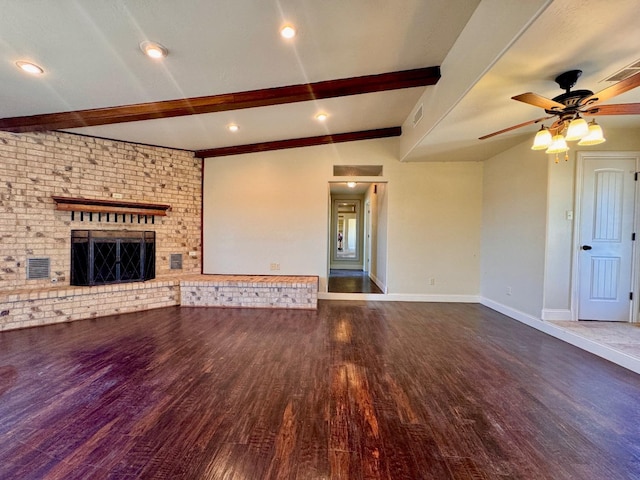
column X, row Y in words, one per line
column 36, row 166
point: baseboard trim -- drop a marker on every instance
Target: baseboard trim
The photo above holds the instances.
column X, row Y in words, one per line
column 378, row 282
column 556, row 314
column 603, row 351
column 512, row 312
column 399, row 297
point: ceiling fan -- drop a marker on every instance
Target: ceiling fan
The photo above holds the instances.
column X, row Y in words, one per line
column 567, row 107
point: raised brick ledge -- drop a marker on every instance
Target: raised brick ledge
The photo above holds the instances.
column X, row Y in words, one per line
column 250, row 291
column 77, row 291
column 241, row 280
column 295, row 281
column 55, row 304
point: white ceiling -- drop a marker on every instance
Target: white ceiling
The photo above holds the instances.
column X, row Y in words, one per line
column 341, row 188
column 90, row 54
column 594, row 36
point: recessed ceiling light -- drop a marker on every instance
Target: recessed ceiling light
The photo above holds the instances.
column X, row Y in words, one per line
column 288, row 31
column 233, row 127
column 29, row 67
column 351, row 184
column 153, row 50
column 321, row 117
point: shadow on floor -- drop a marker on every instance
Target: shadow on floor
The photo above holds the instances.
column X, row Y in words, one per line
column 351, row 281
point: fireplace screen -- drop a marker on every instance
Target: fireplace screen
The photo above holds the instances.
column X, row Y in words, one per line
column 112, row 256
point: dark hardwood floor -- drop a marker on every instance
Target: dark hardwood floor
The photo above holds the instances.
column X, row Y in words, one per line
column 351, row 281
column 355, row 390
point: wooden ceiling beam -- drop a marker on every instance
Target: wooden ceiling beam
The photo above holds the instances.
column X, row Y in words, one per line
column 299, row 142
column 224, row 102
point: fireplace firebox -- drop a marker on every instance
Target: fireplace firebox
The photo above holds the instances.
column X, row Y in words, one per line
column 112, row 256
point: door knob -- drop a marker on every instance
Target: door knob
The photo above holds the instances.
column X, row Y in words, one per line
column 586, row 247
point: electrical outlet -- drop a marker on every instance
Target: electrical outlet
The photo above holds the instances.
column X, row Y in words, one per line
column 275, row 266
column 116, row 195
column 508, row 290
column 432, row 281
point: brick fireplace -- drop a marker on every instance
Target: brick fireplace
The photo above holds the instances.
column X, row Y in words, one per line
column 40, row 166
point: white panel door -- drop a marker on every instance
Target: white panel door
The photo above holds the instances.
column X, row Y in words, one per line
column 606, row 247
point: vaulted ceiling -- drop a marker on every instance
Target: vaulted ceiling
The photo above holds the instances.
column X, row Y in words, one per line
column 371, row 65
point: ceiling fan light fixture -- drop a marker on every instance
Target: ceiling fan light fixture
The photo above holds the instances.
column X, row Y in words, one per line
column 542, row 139
column 558, row 145
column 578, row 128
column 594, row 137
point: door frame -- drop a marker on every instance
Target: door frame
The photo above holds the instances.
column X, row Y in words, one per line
column 635, row 254
column 366, row 215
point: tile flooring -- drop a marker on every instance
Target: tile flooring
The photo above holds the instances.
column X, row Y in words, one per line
column 620, row 336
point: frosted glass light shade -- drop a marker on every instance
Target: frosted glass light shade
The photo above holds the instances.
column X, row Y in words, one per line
column 594, row 137
column 558, row 145
column 578, row 128
column 542, row 139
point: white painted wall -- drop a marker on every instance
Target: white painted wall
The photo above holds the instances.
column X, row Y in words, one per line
column 527, row 240
column 262, row 209
column 271, row 207
column 434, row 217
column 561, row 198
column 558, row 259
column 514, row 229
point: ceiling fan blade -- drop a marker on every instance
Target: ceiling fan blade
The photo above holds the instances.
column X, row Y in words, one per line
column 620, row 109
column 538, row 101
column 623, row 86
column 530, row 122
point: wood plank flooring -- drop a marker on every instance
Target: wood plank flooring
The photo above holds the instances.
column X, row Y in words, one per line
column 351, row 281
column 354, row 390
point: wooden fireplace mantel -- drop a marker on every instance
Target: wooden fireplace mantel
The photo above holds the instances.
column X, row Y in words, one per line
column 71, row 204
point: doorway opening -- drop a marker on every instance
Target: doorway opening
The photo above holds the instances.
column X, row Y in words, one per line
column 357, row 237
